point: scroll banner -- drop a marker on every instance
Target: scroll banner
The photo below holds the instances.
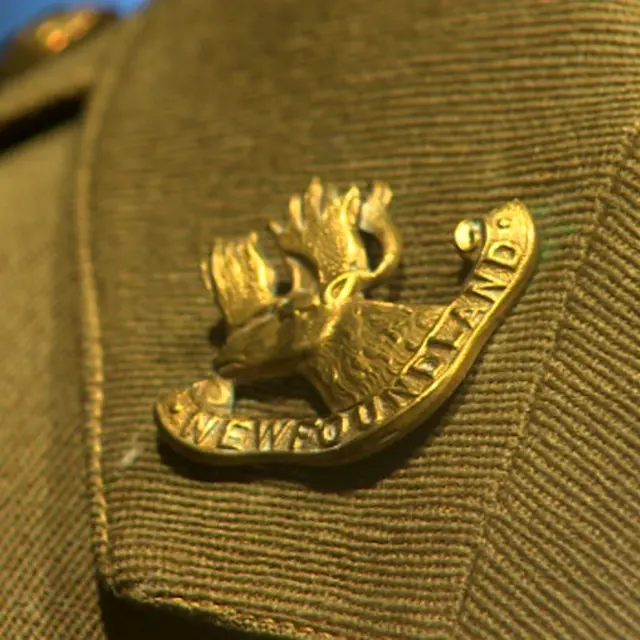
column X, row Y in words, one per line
column 203, row 431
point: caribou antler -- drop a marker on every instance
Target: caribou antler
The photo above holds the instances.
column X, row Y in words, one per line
column 322, row 247
column 240, row 278
column 374, row 219
column 322, row 232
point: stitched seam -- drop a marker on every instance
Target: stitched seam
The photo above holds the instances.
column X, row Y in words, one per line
column 621, row 153
column 92, row 338
column 266, row 623
column 93, row 361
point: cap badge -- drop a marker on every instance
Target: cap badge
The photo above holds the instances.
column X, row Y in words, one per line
column 381, row 368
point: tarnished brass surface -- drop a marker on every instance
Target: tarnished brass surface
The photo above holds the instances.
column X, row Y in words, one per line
column 381, row 368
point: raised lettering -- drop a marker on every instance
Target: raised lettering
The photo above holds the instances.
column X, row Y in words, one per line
column 504, row 253
column 238, row 436
column 451, row 332
column 303, row 437
column 410, row 384
column 271, row 433
column 364, row 415
column 200, row 426
column 471, row 316
column 490, row 287
column 429, row 364
column 379, row 410
column 330, row 432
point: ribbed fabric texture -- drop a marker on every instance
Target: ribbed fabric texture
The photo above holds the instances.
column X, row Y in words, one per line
column 511, row 513
column 47, row 585
column 562, row 551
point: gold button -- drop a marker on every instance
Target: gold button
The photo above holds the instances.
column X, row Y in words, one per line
column 50, row 37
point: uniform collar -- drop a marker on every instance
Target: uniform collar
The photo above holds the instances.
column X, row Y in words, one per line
column 191, row 137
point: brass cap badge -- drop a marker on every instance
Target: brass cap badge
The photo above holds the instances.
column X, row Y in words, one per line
column 381, row 368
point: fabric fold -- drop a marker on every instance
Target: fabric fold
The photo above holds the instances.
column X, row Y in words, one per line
column 460, row 109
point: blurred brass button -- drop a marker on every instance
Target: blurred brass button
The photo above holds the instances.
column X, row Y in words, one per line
column 50, row 37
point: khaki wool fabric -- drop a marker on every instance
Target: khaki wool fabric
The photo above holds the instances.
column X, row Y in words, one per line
column 48, row 588
column 513, row 512
column 45, row 584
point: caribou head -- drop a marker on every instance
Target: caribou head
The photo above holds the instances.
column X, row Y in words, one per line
column 322, row 244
